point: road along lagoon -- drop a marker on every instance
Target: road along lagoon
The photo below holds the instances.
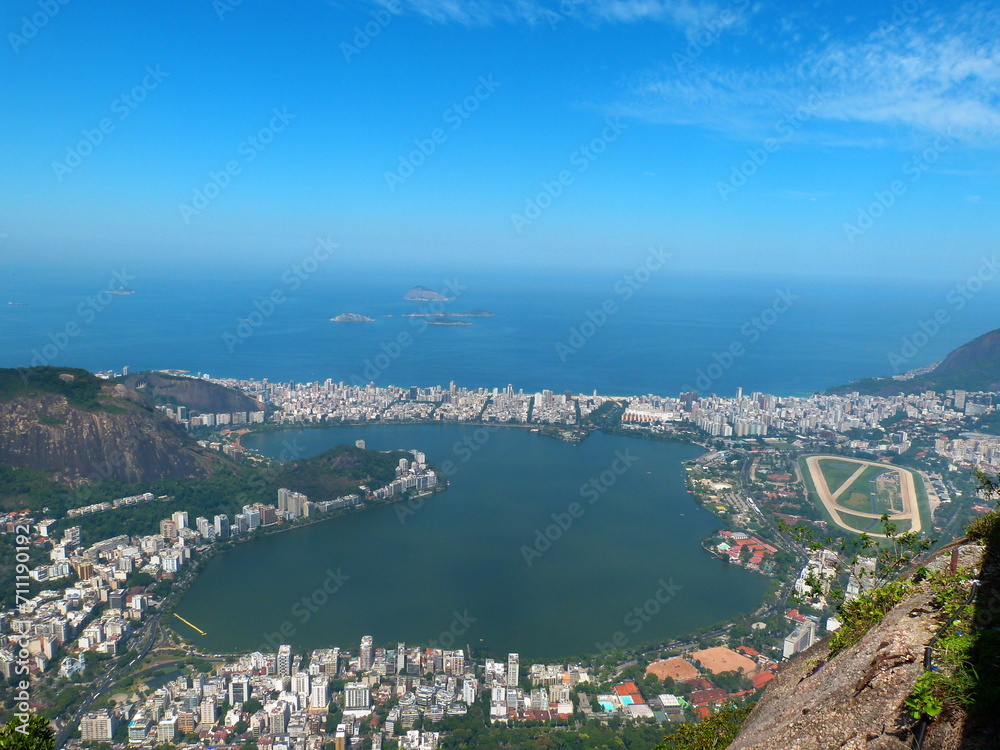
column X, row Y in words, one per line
column 547, row 548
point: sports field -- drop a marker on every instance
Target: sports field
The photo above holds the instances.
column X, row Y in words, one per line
column 856, row 493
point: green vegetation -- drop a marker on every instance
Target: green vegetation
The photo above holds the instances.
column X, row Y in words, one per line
column 39, row 735
column 859, row 494
column 471, row 732
column 837, row 471
column 870, row 525
column 967, row 650
column 79, row 387
column 860, row 615
column 29, row 489
column 715, row 733
column 336, row 472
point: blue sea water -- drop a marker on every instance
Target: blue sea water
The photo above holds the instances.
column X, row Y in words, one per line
column 562, row 331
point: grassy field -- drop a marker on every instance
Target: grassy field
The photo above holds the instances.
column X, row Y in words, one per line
column 836, row 472
column 859, row 495
column 871, row 525
column 811, row 494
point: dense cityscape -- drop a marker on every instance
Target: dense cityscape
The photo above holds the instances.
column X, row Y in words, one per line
column 109, row 598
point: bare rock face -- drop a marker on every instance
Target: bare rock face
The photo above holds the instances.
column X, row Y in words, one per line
column 855, row 699
column 123, row 440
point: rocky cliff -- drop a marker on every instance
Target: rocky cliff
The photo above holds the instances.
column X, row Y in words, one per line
column 71, row 424
column 200, row 395
column 857, row 698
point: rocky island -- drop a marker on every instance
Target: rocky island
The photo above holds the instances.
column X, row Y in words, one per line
column 423, row 294
column 448, row 322
column 352, row 318
column 472, row 314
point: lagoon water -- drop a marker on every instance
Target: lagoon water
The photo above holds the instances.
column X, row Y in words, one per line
column 463, row 553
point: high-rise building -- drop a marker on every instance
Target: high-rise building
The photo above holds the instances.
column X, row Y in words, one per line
column 291, row 504
column 400, row 658
column 207, row 710
column 99, row 726
column 204, row 527
column 319, row 695
column 222, row 526
column 357, row 696
column 340, row 739
column 366, row 656
column 180, row 519
column 284, row 661
column 239, row 690
column 300, row 683
column 168, row 529
column 513, row 670
column 166, row 730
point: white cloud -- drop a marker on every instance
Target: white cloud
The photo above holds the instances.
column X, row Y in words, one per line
column 932, row 74
column 687, row 15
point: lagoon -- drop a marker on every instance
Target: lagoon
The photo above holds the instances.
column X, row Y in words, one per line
column 547, row 548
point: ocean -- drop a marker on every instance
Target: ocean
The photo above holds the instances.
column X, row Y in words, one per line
column 572, row 331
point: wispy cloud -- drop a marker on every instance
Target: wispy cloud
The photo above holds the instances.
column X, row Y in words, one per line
column 936, row 73
column 686, row 15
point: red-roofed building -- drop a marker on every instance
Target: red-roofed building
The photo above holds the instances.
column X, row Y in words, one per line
column 795, row 616
column 712, row 695
column 747, row 651
column 760, row 679
column 698, row 683
column 626, row 688
column 702, row 712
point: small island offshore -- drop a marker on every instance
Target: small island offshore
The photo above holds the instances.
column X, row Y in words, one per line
column 352, row 318
column 423, row 294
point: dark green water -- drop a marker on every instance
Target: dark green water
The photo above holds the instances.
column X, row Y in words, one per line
column 462, row 552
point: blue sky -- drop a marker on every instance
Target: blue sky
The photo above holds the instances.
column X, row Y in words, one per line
column 745, row 137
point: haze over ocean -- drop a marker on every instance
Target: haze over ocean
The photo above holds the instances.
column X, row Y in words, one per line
column 793, row 335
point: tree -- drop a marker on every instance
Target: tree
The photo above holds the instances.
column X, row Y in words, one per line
column 35, row 735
